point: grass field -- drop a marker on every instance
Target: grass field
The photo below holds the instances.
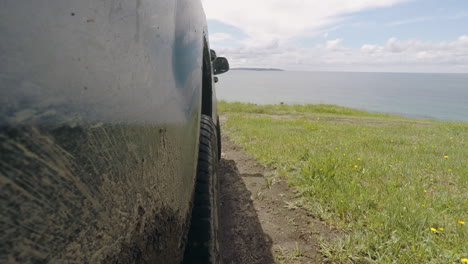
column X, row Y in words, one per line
column 397, row 187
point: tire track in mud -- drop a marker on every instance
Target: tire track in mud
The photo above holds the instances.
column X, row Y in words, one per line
column 258, row 222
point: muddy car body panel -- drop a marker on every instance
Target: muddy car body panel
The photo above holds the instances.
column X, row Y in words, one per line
column 100, row 104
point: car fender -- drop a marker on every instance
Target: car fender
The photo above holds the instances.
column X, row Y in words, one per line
column 100, row 103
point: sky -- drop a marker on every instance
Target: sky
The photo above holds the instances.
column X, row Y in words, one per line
column 341, row 35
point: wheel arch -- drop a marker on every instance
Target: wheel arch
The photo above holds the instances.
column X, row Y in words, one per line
column 207, row 81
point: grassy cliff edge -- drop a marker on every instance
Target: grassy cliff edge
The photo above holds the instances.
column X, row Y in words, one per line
column 396, row 186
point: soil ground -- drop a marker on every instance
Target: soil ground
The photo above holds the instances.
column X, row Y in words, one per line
column 259, row 222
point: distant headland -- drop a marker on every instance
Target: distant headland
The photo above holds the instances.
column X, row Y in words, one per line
column 256, row 69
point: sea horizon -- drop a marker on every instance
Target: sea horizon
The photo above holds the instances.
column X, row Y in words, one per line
column 338, row 71
column 437, row 96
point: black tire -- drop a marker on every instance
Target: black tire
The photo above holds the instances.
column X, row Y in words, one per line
column 218, row 134
column 202, row 245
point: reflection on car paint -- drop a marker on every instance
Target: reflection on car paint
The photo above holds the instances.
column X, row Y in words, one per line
column 99, row 117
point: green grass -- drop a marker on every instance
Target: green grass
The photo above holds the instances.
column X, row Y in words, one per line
column 385, row 181
column 284, row 109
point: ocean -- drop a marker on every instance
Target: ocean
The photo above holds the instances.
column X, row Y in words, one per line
column 419, row 95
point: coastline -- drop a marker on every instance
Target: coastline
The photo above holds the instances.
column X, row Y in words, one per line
column 284, row 108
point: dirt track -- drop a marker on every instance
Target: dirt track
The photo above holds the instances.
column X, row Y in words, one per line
column 258, row 220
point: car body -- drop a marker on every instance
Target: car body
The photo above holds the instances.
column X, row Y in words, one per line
column 100, row 105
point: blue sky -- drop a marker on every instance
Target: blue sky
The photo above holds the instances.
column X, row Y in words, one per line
column 342, row 35
column 426, row 20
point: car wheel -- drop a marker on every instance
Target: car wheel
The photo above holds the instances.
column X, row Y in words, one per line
column 202, row 245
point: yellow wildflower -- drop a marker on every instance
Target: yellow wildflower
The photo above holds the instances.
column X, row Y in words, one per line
column 425, row 191
column 464, row 260
column 356, row 166
column 433, row 229
column 446, row 157
column 461, row 222
column 441, row 229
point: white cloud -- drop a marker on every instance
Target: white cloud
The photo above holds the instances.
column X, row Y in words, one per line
column 395, row 46
column 394, row 55
column 368, row 48
column 411, row 21
column 267, row 20
column 334, row 44
column 463, row 39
